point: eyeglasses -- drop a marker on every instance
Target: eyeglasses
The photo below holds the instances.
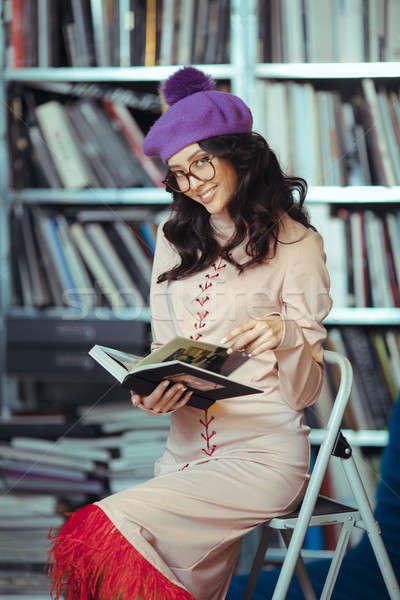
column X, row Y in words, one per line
column 201, row 169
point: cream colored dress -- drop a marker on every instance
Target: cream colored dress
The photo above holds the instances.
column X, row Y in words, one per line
column 244, row 460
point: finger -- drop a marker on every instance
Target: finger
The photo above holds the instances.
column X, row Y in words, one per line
column 170, row 396
column 157, row 393
column 269, row 345
column 184, row 399
column 237, row 331
column 136, row 399
column 180, row 402
column 242, row 342
column 251, row 336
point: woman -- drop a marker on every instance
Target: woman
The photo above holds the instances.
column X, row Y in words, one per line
column 236, row 263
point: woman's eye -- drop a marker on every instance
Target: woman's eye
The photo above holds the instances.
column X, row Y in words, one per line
column 178, row 174
column 201, row 161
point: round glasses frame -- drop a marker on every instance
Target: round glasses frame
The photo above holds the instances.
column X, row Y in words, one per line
column 171, row 182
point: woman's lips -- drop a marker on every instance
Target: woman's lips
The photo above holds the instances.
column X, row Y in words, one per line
column 208, row 196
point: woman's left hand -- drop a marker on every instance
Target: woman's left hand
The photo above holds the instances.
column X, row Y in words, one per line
column 256, row 336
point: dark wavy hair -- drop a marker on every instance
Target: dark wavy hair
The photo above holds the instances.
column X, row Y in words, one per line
column 263, row 193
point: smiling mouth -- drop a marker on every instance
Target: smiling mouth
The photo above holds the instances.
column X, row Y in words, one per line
column 208, row 195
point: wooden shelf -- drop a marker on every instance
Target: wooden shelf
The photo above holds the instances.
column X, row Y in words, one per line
column 328, row 70
column 109, row 74
column 316, row 195
column 97, row 196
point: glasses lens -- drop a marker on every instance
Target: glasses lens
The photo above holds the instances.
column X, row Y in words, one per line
column 180, row 184
column 203, row 169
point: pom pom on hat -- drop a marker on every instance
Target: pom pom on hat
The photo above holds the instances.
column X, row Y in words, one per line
column 185, row 82
column 196, row 112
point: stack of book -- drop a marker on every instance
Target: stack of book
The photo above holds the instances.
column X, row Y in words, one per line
column 120, row 33
column 109, row 449
column 76, row 468
column 331, row 138
column 25, row 520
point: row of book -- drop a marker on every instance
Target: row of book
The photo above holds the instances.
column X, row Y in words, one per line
column 318, row 135
column 122, row 33
column 363, row 254
column 328, row 31
column 375, row 357
column 77, row 145
column 89, row 258
column 83, row 260
column 329, row 139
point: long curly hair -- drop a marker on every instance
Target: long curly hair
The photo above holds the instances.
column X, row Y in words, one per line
column 262, row 195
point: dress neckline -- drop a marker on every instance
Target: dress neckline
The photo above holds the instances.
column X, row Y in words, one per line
column 222, row 224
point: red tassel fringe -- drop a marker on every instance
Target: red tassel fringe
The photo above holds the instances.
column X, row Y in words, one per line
column 91, row 560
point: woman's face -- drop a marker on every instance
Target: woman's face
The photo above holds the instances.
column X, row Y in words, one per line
column 214, row 194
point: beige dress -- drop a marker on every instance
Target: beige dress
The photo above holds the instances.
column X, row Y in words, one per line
column 244, row 460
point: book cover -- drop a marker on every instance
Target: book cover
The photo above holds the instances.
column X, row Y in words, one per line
column 202, row 367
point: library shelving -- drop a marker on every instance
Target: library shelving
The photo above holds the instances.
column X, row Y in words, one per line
column 235, row 72
column 243, row 73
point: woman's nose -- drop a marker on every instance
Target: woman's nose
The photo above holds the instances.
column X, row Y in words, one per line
column 194, row 182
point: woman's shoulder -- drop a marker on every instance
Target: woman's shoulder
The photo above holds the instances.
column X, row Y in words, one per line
column 293, row 231
column 295, row 237
column 164, row 248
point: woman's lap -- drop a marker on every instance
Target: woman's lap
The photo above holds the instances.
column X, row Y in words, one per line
column 193, row 520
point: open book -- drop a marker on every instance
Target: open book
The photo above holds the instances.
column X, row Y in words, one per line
column 200, row 366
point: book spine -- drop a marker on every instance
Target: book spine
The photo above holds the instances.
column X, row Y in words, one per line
column 67, row 158
column 95, row 265
column 126, row 286
column 135, row 138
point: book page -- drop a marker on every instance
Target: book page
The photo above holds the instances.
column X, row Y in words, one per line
column 126, row 360
column 210, row 357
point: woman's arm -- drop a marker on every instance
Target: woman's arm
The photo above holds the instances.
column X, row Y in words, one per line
column 295, row 334
column 305, row 304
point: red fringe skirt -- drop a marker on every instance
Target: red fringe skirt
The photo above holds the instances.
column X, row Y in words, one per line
column 91, row 560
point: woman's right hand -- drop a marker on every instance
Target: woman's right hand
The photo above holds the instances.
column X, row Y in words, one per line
column 162, row 399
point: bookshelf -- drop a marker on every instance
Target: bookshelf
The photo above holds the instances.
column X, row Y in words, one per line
column 243, row 72
column 236, row 72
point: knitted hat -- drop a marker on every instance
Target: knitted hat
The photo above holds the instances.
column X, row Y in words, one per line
column 195, row 111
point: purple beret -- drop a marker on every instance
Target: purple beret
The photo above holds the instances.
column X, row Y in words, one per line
column 196, row 112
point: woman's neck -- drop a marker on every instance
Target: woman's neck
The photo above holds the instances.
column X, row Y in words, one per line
column 222, row 223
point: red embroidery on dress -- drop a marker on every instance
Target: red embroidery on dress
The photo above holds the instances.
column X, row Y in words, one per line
column 184, row 467
column 198, row 336
column 201, row 317
column 202, row 302
column 205, row 285
column 207, row 435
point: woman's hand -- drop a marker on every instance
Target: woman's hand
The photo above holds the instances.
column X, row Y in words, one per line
column 162, row 400
column 256, row 336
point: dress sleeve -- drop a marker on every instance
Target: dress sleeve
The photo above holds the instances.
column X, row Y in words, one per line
column 305, row 304
column 165, row 258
